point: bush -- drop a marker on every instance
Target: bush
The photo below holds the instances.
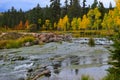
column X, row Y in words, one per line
column 13, row 44
column 91, row 42
column 32, row 28
column 3, row 44
column 26, row 39
column 111, row 77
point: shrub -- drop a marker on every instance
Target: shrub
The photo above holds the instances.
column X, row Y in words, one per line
column 26, row 39
column 111, row 77
column 3, row 44
column 13, row 44
column 32, row 27
column 19, row 42
column 91, row 42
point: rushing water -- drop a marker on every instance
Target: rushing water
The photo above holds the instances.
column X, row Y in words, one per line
column 66, row 61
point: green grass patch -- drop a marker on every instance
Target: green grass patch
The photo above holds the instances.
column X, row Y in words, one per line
column 86, row 77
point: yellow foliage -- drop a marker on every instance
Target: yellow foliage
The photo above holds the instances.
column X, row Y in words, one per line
column 63, row 24
column 85, row 22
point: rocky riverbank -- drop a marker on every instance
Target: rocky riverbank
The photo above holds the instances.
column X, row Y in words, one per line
column 15, row 40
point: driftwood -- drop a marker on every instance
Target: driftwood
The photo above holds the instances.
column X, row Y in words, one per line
column 44, row 73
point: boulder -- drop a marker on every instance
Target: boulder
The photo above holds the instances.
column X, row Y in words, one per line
column 28, row 44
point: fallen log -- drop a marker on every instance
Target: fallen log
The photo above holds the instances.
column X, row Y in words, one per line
column 44, row 73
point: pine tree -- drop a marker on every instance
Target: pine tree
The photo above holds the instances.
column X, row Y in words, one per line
column 115, row 56
column 94, row 5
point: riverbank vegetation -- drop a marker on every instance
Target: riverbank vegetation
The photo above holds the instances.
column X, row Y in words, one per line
column 16, row 43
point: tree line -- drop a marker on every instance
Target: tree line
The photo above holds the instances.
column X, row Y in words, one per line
column 71, row 16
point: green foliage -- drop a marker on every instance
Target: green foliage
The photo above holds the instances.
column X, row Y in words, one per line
column 32, row 28
column 111, row 77
column 13, row 44
column 86, row 77
column 114, row 70
column 91, row 42
column 26, row 39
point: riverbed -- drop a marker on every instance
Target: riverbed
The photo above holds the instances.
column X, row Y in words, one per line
column 73, row 59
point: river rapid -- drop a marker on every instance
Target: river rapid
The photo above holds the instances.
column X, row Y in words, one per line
column 65, row 60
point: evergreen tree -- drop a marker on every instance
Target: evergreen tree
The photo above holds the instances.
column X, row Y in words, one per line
column 74, row 9
column 84, row 8
column 110, row 6
column 94, row 5
column 34, row 15
column 115, row 55
column 115, row 62
column 101, row 9
column 55, row 10
column 64, row 10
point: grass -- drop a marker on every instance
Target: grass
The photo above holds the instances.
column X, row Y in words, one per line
column 15, row 43
column 91, row 42
column 86, row 77
column 111, row 77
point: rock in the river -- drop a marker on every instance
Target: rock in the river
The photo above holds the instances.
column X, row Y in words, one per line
column 28, row 44
column 52, row 37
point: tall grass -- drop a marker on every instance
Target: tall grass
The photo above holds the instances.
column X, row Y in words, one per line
column 86, row 77
column 16, row 43
column 91, row 42
column 3, row 44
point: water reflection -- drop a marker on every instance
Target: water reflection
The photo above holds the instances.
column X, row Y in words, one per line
column 73, row 67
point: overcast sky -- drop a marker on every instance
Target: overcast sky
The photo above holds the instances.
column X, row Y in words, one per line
column 29, row 4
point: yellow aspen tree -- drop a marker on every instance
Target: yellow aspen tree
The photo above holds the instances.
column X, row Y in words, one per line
column 74, row 24
column 47, row 24
column 79, row 23
column 85, row 22
column 117, row 15
column 55, row 25
column 60, row 24
column 97, row 21
column 66, row 23
column 91, row 17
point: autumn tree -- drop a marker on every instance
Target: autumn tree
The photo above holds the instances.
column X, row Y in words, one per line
column 63, row 24
column 26, row 24
column 94, row 17
column 47, row 24
column 74, row 24
column 84, row 23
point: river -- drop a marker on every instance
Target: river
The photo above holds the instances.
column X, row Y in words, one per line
column 73, row 60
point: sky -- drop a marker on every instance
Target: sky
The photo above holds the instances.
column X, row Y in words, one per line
column 29, row 4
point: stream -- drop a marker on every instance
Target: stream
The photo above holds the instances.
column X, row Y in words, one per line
column 66, row 61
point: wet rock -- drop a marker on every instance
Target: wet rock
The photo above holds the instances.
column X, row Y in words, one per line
column 35, row 73
column 16, row 58
column 21, row 78
column 27, row 44
column 35, row 42
column 52, row 37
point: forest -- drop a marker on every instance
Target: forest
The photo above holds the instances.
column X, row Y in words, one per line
column 71, row 16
